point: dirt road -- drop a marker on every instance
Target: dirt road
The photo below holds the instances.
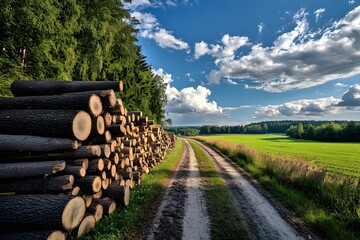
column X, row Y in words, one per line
column 183, row 215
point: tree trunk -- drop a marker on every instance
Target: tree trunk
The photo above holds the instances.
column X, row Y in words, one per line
column 38, row 185
column 108, row 204
column 35, row 143
column 91, row 151
column 86, row 225
column 83, row 162
column 105, row 138
column 46, row 123
column 30, row 169
column 121, row 194
column 76, row 171
column 46, row 87
column 77, row 101
column 108, row 98
column 89, row 184
column 95, row 165
column 39, row 211
column 31, row 235
column 98, row 127
column 117, row 130
column 97, row 210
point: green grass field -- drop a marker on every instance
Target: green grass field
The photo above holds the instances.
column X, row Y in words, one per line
column 343, row 158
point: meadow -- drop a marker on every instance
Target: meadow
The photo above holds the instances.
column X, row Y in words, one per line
column 317, row 181
column 339, row 158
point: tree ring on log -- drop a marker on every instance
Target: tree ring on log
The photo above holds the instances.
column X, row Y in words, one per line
column 95, row 105
column 73, row 213
column 81, row 125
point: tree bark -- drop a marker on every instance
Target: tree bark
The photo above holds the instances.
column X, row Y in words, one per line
column 46, row 87
column 89, row 184
column 121, row 194
column 46, row 123
column 77, row 101
column 35, row 143
column 91, row 151
column 108, row 204
column 38, row 185
column 76, row 171
column 30, row 169
column 97, row 210
column 31, row 235
column 39, row 211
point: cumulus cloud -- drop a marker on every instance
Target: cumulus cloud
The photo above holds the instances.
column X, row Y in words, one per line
column 300, row 108
column 297, row 59
column 150, row 28
column 351, row 1
column 340, row 85
column 318, row 13
column 261, row 28
column 351, row 98
column 136, row 4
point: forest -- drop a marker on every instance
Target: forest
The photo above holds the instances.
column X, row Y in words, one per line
column 77, row 41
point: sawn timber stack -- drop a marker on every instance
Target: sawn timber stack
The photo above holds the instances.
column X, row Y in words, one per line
column 70, row 153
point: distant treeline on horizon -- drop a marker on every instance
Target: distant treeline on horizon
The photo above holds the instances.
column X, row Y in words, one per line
column 332, row 129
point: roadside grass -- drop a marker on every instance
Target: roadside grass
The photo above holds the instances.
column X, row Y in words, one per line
column 125, row 223
column 226, row 223
column 327, row 203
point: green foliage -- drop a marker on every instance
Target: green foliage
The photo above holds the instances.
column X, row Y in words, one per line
column 184, row 131
column 77, row 40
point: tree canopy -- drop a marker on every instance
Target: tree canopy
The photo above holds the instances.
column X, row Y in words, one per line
column 77, row 41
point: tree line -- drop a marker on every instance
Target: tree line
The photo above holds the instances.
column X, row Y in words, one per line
column 77, row 40
column 327, row 132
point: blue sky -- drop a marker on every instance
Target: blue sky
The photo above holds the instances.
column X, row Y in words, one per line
column 235, row 62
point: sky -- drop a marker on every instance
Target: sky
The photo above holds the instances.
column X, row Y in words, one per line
column 235, row 62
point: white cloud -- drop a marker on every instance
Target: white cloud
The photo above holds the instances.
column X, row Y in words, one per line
column 318, row 13
column 228, row 48
column 261, row 28
column 191, row 79
column 300, row 108
column 136, row 4
column 149, row 28
column 351, row 98
column 230, row 81
column 351, row 1
column 340, row 85
column 298, row 59
column 167, row 77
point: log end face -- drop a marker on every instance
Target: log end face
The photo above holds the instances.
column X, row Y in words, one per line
column 121, row 86
column 57, row 235
column 100, row 125
column 86, row 225
column 96, row 185
column 126, row 195
column 95, row 105
column 112, row 208
column 73, row 213
column 81, row 125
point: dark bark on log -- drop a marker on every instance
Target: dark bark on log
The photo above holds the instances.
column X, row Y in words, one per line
column 97, row 210
column 76, row 171
column 105, row 138
column 41, row 211
column 98, row 127
column 38, row 185
column 83, row 162
column 45, row 87
column 82, row 152
column 121, row 194
column 35, row 143
column 46, row 123
column 30, row 169
column 89, row 103
column 108, row 98
column 95, row 165
column 108, row 204
column 31, row 235
column 117, row 130
column 89, row 184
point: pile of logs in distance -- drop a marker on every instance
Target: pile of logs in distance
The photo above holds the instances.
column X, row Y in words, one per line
column 69, row 154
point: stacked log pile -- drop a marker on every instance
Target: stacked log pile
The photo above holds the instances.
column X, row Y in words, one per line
column 70, row 153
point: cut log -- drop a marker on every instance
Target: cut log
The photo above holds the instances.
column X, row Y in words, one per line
column 76, row 171
column 75, row 191
column 95, row 165
column 117, row 130
column 86, row 225
column 30, row 169
column 38, row 185
column 97, row 210
column 46, row 123
column 97, row 195
column 89, row 184
column 91, row 151
column 31, row 235
column 46, row 87
column 105, row 138
column 121, row 194
column 98, row 127
column 39, row 211
column 88, row 200
column 35, row 143
column 105, row 150
column 90, row 103
column 83, row 162
column 108, row 204
column 108, row 98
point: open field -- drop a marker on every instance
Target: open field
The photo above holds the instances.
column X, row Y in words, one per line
column 340, row 158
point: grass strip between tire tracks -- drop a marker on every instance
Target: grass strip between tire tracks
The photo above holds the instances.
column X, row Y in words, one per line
column 125, row 223
column 225, row 221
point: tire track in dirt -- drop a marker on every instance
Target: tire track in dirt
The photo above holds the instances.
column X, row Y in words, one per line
column 182, row 212
column 262, row 218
